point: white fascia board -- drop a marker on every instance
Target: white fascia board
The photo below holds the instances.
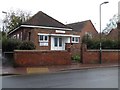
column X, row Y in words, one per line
column 43, row 34
column 14, row 30
column 46, row 27
column 75, row 36
column 65, row 35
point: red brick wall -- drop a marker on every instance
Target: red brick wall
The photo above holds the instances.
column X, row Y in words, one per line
column 74, row 48
column 37, row 58
column 93, row 56
column 113, row 34
column 89, row 27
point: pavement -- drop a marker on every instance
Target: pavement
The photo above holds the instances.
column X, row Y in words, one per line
column 50, row 69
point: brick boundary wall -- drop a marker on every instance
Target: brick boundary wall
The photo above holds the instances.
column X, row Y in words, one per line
column 93, row 56
column 41, row 58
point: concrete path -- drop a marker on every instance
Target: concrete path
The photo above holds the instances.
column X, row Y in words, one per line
column 50, row 69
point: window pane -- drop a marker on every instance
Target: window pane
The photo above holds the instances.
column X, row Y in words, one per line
column 60, row 42
column 77, row 39
column 46, row 38
column 41, row 37
column 55, row 42
column 72, row 38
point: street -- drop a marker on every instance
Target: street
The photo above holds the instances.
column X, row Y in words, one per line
column 91, row 78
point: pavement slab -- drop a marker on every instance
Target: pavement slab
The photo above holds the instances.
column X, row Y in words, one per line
column 51, row 69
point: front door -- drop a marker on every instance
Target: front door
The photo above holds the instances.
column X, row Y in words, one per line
column 57, row 43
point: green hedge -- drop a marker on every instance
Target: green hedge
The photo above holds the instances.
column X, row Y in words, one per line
column 26, row 45
column 9, row 45
column 106, row 43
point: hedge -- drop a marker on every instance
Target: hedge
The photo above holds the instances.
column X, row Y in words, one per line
column 106, row 43
column 9, row 45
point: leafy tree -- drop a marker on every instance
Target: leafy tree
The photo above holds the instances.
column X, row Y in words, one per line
column 15, row 18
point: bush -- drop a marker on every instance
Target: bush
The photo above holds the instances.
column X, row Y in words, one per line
column 106, row 43
column 76, row 58
column 9, row 45
column 26, row 45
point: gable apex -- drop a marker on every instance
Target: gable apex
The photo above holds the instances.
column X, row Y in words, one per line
column 42, row 19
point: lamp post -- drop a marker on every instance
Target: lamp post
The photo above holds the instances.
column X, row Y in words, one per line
column 101, row 33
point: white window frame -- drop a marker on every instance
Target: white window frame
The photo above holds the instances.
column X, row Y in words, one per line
column 18, row 36
column 43, row 42
column 75, row 38
column 14, row 36
column 21, row 36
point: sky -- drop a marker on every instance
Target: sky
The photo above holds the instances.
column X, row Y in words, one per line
column 65, row 11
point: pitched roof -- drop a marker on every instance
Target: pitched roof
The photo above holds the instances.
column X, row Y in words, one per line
column 78, row 26
column 113, row 34
column 42, row 19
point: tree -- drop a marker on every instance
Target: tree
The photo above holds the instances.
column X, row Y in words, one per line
column 15, row 19
column 112, row 24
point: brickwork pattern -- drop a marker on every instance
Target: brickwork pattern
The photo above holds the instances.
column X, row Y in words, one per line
column 93, row 56
column 41, row 58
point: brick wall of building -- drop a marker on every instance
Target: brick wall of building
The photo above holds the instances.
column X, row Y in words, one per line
column 37, row 58
column 89, row 28
column 93, row 56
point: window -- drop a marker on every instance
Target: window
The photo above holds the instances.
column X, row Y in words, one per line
column 17, row 36
column 21, row 35
column 29, row 36
column 41, row 37
column 56, row 42
column 60, row 42
column 14, row 36
column 43, row 40
column 75, row 39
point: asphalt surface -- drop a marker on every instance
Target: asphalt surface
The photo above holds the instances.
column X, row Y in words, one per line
column 91, row 78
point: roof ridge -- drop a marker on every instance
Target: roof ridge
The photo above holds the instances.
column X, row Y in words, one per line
column 54, row 19
column 78, row 22
column 41, row 18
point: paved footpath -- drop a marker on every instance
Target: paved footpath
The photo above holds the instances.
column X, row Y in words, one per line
column 50, row 69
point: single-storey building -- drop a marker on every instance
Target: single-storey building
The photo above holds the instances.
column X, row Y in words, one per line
column 51, row 39
column 45, row 32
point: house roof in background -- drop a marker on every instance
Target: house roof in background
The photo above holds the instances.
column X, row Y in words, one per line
column 78, row 26
column 42, row 19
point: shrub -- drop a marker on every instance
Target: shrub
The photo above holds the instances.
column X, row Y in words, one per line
column 106, row 43
column 76, row 58
column 9, row 45
column 26, row 45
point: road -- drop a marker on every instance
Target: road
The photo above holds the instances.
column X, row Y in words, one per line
column 91, row 78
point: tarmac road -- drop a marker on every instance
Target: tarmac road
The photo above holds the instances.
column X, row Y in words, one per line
column 91, row 78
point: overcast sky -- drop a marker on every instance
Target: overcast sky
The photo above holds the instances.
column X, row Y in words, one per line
column 65, row 11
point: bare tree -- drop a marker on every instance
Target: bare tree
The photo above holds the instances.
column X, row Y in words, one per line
column 112, row 24
column 15, row 18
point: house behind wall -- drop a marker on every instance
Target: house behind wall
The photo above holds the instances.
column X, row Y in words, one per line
column 46, row 33
column 54, row 34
